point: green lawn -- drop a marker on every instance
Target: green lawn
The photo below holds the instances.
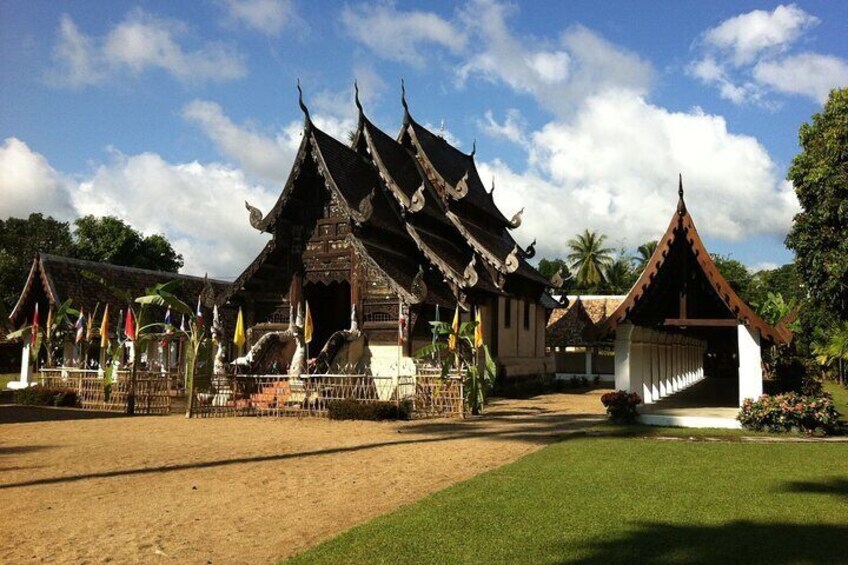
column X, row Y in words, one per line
column 624, row 500
column 840, row 397
column 6, row 377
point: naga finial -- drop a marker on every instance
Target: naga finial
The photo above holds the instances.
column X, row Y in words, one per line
column 512, row 262
column 530, row 252
column 362, row 212
column 255, row 216
column 419, row 287
column 416, row 203
column 303, row 107
column 473, row 147
column 516, row 220
column 470, row 274
column 403, row 97
column 492, row 191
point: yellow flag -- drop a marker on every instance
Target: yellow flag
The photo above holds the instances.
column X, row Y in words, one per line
column 454, row 330
column 478, row 331
column 239, row 338
column 307, row 325
column 104, row 329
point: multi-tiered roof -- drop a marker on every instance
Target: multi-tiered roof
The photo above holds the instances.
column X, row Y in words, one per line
column 416, row 208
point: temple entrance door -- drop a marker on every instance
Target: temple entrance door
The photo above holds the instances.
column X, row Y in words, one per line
column 330, row 308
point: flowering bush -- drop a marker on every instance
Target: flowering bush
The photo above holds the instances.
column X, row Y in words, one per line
column 621, row 406
column 791, row 411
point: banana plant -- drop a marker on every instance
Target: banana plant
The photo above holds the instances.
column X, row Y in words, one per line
column 456, row 350
column 57, row 324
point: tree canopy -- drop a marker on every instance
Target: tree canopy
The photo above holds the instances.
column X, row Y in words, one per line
column 106, row 239
column 818, row 236
column 589, row 259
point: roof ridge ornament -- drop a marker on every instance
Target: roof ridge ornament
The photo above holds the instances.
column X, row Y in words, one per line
column 403, row 99
column 416, row 203
column 492, row 191
column 461, row 188
column 512, row 262
column 255, row 216
column 530, row 252
column 303, row 107
column 419, row 287
column 356, row 97
column 362, row 213
column 516, row 220
column 473, row 148
column 681, row 204
column 469, row 275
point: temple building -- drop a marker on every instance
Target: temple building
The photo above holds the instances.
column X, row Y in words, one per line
column 684, row 340
column 380, row 237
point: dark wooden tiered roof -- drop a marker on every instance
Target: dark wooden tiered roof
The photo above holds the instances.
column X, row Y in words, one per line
column 681, row 287
column 88, row 284
column 417, row 210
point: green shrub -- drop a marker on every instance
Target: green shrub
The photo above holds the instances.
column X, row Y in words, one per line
column 621, row 406
column 788, row 412
column 356, row 410
column 46, row 396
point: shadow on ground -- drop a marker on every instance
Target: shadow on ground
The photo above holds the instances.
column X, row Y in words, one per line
column 734, row 542
column 17, row 414
column 837, row 486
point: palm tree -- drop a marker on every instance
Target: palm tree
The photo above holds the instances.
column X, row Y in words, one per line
column 644, row 253
column 589, row 259
column 620, row 275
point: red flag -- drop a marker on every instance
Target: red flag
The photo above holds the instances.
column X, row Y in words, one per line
column 129, row 325
column 401, row 327
column 36, row 320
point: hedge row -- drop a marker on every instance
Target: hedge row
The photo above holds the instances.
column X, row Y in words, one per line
column 355, row 410
column 46, row 396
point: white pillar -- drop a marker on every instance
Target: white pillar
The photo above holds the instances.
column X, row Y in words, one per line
column 655, row 367
column 622, row 356
column 637, row 350
column 750, row 364
column 25, row 378
column 647, row 369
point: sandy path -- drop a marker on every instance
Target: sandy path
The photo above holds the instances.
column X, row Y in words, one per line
column 239, row 490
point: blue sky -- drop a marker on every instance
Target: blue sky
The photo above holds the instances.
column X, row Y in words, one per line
column 170, row 114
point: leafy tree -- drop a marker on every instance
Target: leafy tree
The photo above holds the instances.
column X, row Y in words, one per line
column 589, row 259
column 737, row 275
column 782, row 281
column 549, row 267
column 110, row 240
column 644, row 253
column 20, row 239
column 831, row 349
column 620, row 275
column 818, row 236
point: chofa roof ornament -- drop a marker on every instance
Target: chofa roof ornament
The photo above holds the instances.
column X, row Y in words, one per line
column 255, row 216
column 515, row 222
column 416, row 203
column 300, row 103
column 681, row 205
column 461, row 188
column 530, row 252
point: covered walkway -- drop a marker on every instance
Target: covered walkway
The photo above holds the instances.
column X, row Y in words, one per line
column 709, row 403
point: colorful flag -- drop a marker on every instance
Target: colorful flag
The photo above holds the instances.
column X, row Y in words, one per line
column 478, row 330
column 401, row 326
column 104, row 329
column 48, row 329
column 79, row 326
column 199, row 315
column 168, row 323
column 307, row 325
column 89, row 330
column 239, row 338
column 129, row 325
column 36, row 321
column 454, row 330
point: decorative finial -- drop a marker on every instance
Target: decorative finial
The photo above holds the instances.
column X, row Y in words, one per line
column 681, row 205
column 356, row 96
column 300, row 102
column 515, row 222
column 473, row 147
column 403, row 96
column 492, row 191
column 530, row 252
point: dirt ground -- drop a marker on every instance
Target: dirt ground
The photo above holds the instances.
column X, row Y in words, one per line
column 237, row 490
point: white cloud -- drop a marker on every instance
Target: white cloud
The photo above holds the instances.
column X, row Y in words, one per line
column 400, row 35
column 614, row 166
column 560, row 74
column 748, row 57
column 260, row 155
column 807, row 74
column 513, row 128
column 270, row 17
column 198, row 207
column 29, row 184
column 747, row 36
column 139, row 43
